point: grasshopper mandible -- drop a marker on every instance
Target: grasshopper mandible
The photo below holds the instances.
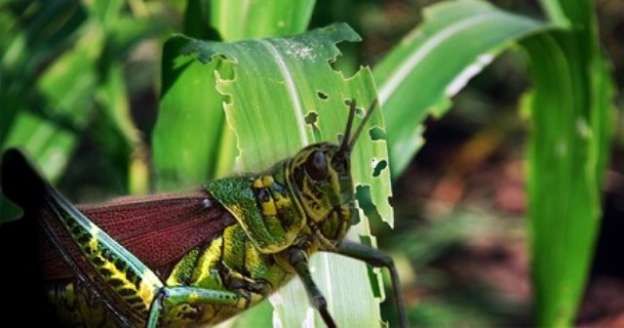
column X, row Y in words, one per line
column 200, row 258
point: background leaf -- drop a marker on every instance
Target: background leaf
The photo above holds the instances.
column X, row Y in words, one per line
column 122, row 140
column 64, row 56
column 568, row 150
column 434, row 62
column 571, row 114
column 49, row 133
column 255, row 19
column 187, row 143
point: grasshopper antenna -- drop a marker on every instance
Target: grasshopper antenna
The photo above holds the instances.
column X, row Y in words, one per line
column 344, row 145
column 370, row 110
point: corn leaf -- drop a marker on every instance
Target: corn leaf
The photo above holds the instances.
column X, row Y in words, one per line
column 435, row 61
column 235, row 20
column 189, row 85
column 571, row 109
column 278, row 95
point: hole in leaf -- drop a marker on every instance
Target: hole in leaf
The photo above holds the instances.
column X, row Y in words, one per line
column 225, row 67
column 344, row 62
column 377, row 133
column 227, row 99
column 365, row 202
column 380, row 166
column 322, row 95
column 311, row 119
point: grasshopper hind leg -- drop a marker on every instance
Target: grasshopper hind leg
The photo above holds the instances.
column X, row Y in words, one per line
column 124, row 283
column 76, row 306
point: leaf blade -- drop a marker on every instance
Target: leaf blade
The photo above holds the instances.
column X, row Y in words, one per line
column 258, row 19
column 436, row 60
column 571, row 115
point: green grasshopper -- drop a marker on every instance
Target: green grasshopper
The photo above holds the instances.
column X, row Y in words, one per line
column 178, row 260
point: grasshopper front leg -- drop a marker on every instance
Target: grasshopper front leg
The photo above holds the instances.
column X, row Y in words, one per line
column 375, row 258
column 299, row 261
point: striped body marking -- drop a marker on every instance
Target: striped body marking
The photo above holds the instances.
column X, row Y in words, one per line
column 128, row 278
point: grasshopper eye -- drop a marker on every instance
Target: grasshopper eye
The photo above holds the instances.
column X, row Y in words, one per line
column 316, row 166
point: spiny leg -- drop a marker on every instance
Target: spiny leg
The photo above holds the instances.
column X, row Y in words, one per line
column 172, row 296
column 299, row 261
column 376, row 258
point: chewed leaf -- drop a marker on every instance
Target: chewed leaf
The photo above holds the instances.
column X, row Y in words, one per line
column 435, row 61
column 274, row 86
column 279, row 95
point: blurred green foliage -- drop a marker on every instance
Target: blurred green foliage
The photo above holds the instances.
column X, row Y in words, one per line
column 79, row 86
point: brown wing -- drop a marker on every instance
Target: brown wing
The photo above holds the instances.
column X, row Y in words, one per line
column 157, row 229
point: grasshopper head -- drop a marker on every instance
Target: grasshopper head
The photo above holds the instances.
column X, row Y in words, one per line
column 321, row 177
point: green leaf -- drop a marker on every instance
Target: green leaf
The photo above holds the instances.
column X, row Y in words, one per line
column 571, row 115
column 278, row 95
column 431, row 64
column 27, row 47
column 32, row 36
column 260, row 315
column 49, row 134
column 237, row 20
column 189, row 97
column 120, row 139
column 564, row 189
column 117, row 135
column 48, row 111
column 187, row 139
column 92, row 74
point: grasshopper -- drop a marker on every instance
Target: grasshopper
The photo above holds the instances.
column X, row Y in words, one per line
column 177, row 260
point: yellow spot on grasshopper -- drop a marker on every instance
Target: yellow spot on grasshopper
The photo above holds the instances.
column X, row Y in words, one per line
column 268, row 208
column 267, row 180
column 93, row 242
column 119, row 275
column 282, row 202
column 258, row 183
column 203, row 274
column 149, row 286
